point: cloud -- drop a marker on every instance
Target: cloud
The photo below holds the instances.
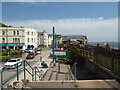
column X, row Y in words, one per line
column 97, row 29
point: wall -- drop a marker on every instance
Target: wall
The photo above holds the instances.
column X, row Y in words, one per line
column 87, row 70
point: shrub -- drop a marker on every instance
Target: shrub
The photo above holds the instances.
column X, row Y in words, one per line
column 16, row 53
column 5, row 52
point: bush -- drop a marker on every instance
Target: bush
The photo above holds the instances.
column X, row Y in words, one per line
column 13, row 53
column 4, row 58
column 5, row 52
column 21, row 51
column 16, row 53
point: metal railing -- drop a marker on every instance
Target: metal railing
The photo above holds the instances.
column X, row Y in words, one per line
column 18, row 70
column 69, row 74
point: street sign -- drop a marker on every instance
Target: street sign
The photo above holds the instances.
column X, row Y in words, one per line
column 60, row 53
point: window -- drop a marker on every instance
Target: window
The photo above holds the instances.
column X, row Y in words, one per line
column 28, row 40
column 14, row 32
column 31, row 39
column 18, row 39
column 15, row 39
column 17, row 32
column 28, row 33
column 3, row 40
column 34, row 39
column 3, row 32
column 18, row 59
column 31, row 33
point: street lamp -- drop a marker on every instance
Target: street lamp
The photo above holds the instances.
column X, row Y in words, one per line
column 54, row 47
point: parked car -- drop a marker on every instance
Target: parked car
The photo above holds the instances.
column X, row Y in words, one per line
column 29, row 51
column 44, row 64
column 35, row 52
column 38, row 51
column 30, row 56
column 13, row 62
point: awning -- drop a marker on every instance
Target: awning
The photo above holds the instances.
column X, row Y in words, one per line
column 12, row 44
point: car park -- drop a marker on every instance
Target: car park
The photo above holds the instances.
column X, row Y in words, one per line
column 12, row 63
column 30, row 56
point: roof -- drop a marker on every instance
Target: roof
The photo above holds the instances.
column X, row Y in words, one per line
column 79, row 37
column 16, row 28
column 73, row 35
column 44, row 31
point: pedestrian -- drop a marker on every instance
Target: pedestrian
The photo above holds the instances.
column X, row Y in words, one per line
column 54, row 63
column 97, row 44
column 42, row 63
column 40, row 59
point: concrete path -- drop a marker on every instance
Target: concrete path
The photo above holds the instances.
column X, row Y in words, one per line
column 58, row 72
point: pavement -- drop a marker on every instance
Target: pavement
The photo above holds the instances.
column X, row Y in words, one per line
column 60, row 72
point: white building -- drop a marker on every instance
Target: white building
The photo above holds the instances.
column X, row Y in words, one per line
column 50, row 39
column 18, row 38
column 43, row 38
column 57, row 39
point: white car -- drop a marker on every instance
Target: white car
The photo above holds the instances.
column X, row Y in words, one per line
column 29, row 51
column 38, row 51
column 13, row 62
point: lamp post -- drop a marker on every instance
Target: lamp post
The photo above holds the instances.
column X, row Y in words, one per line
column 54, row 47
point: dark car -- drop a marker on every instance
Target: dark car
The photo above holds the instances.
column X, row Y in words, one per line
column 44, row 64
column 35, row 52
column 30, row 56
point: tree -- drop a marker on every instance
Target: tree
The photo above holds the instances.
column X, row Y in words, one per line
column 2, row 25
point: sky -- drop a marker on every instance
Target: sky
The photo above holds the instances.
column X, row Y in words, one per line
column 97, row 20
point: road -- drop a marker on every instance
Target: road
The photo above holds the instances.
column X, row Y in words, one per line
column 8, row 73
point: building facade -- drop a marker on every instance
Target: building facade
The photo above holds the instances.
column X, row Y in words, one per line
column 18, row 38
column 43, row 38
column 58, row 40
column 50, row 39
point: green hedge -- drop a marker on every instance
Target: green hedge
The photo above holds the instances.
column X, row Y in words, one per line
column 5, row 52
column 13, row 53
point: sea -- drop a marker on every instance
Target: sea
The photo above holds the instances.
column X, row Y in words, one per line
column 113, row 45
